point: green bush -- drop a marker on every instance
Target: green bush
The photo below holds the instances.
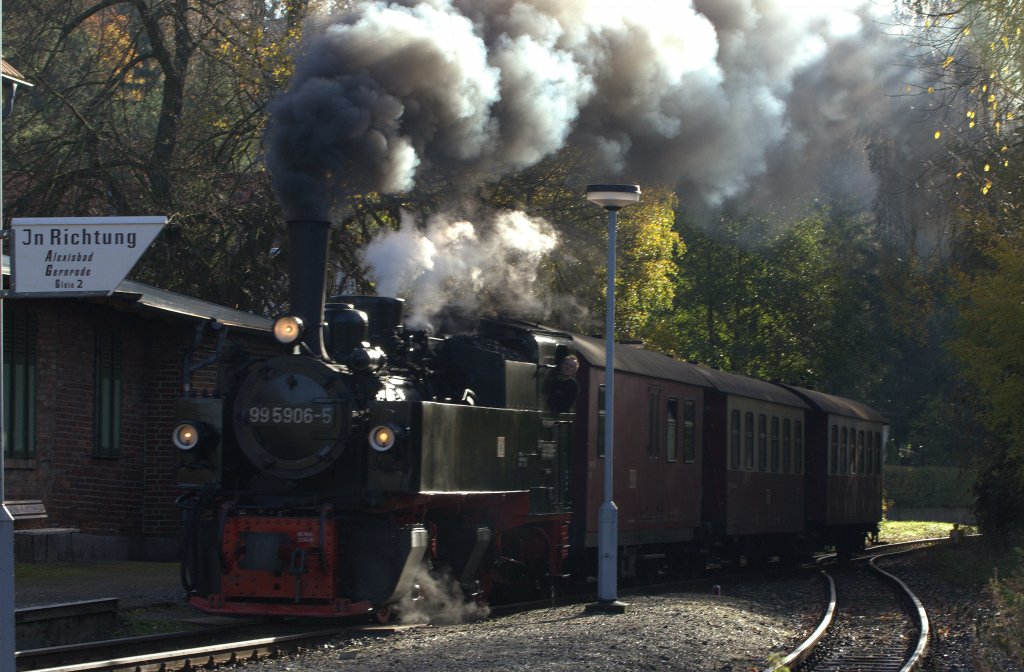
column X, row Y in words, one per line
column 1000, row 493
column 928, row 487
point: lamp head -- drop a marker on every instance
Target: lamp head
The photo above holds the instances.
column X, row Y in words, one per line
column 288, row 329
column 613, row 196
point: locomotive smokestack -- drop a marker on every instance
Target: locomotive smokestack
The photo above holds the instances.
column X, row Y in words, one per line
column 307, row 278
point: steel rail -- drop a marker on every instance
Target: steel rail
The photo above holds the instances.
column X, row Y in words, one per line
column 917, row 611
column 204, row 657
column 804, row 649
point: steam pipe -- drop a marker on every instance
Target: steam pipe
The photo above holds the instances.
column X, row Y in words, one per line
column 307, row 278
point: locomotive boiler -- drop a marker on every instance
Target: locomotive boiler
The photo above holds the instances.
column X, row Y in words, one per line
column 324, row 480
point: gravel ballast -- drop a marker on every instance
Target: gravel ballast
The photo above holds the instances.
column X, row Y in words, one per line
column 735, row 630
column 690, row 630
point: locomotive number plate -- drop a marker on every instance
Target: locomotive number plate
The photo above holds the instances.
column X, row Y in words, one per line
column 290, row 415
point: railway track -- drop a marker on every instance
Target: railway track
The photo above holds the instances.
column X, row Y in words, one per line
column 873, row 622
column 867, row 629
column 180, row 651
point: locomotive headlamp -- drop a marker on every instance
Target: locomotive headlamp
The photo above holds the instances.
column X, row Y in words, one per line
column 383, row 437
column 187, row 435
column 287, row 329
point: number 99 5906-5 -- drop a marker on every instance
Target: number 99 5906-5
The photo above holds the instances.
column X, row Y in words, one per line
column 289, row 415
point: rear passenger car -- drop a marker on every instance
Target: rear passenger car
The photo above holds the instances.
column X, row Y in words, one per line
column 844, row 469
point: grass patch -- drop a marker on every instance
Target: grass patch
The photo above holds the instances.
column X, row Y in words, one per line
column 929, row 487
column 86, row 570
column 996, row 571
column 1006, row 625
column 1001, row 573
column 895, row 531
column 155, row 620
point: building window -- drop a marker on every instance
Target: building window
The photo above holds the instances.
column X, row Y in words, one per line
column 734, row 440
column 689, row 430
column 600, row 420
column 107, row 399
column 20, row 333
column 672, row 422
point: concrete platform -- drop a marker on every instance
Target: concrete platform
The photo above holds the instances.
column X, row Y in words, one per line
column 135, row 584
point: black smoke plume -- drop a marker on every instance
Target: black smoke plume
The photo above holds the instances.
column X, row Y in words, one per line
column 714, row 97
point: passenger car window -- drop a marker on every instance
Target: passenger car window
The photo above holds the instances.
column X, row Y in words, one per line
column 748, row 440
column 787, row 446
column 860, row 452
column 671, row 429
column 833, row 466
column 869, row 454
column 654, row 422
column 844, row 464
column 734, row 440
column 689, row 430
column 762, row 442
column 798, row 447
column 775, row 445
column 878, row 453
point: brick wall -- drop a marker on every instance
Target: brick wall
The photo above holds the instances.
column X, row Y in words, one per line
column 132, row 494
column 98, row 494
column 167, row 349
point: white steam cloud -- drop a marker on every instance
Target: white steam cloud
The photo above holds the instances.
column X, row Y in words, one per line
column 490, row 266
column 439, row 601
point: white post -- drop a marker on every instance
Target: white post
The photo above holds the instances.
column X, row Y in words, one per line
column 611, row 197
column 6, row 538
column 6, row 519
column 608, row 514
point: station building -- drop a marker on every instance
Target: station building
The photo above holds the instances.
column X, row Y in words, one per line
column 90, row 387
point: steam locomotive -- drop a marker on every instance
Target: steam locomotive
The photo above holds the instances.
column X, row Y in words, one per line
column 327, row 480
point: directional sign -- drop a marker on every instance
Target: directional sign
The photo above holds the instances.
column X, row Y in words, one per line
column 75, row 256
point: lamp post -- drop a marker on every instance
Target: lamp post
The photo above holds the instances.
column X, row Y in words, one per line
column 9, row 85
column 611, row 197
column 11, row 78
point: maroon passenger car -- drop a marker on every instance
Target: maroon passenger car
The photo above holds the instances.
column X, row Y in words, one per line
column 844, row 469
column 754, row 468
column 659, row 407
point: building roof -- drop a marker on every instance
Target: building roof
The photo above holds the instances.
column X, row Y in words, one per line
column 10, row 72
column 164, row 301
column 171, row 302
